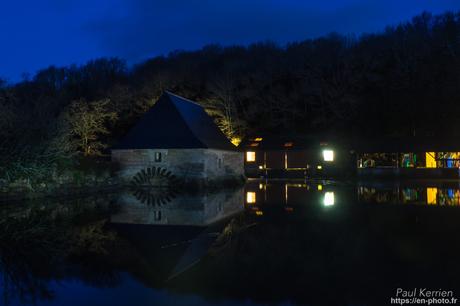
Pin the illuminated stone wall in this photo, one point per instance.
(183, 163)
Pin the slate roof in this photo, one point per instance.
(175, 123)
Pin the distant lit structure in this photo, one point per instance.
(426, 157)
(291, 156)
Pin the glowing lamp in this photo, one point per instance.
(328, 155)
(329, 198)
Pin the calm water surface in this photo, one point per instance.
(269, 243)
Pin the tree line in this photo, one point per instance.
(404, 80)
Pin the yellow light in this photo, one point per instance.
(319, 167)
(258, 139)
(250, 197)
(259, 213)
(236, 141)
(329, 198)
(431, 196)
(320, 187)
(261, 186)
(430, 160)
(328, 155)
(250, 156)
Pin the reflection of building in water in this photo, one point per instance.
(200, 209)
(287, 195)
(410, 195)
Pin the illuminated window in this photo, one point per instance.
(329, 198)
(430, 159)
(250, 197)
(158, 157)
(250, 156)
(328, 155)
(431, 196)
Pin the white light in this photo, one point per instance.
(329, 198)
(250, 197)
(328, 155)
(250, 156)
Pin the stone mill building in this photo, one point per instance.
(176, 137)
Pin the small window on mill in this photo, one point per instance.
(158, 157)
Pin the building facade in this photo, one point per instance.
(278, 156)
(176, 138)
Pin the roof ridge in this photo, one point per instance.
(185, 121)
(182, 98)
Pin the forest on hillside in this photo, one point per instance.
(402, 81)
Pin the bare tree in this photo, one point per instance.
(88, 121)
(222, 105)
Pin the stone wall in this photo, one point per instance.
(188, 164)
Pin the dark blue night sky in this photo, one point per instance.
(36, 34)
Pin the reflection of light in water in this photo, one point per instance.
(286, 193)
(329, 198)
(259, 213)
(261, 186)
(250, 197)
